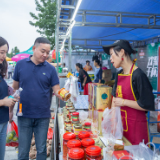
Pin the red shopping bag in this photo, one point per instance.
(50, 133)
(12, 135)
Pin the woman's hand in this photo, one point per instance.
(9, 102)
(118, 102)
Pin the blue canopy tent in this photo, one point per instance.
(102, 22)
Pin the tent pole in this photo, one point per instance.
(70, 51)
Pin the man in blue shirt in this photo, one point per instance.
(36, 76)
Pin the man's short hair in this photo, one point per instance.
(41, 40)
(87, 61)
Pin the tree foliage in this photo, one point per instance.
(13, 52)
(45, 20)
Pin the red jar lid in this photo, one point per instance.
(74, 143)
(88, 142)
(83, 134)
(76, 153)
(93, 151)
(75, 113)
(69, 136)
(87, 124)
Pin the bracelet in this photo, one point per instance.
(123, 102)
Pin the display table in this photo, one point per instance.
(62, 131)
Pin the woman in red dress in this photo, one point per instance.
(132, 92)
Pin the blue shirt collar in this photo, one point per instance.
(29, 60)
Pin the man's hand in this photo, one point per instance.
(9, 102)
(83, 84)
(118, 102)
(57, 95)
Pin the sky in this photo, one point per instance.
(14, 23)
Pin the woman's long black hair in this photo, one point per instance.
(79, 65)
(4, 65)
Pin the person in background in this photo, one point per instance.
(83, 77)
(98, 71)
(65, 69)
(10, 70)
(49, 60)
(36, 76)
(88, 66)
(5, 102)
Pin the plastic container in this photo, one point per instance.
(76, 154)
(66, 137)
(73, 124)
(93, 152)
(64, 94)
(83, 135)
(68, 129)
(75, 116)
(87, 126)
(86, 143)
(74, 143)
(77, 129)
(70, 113)
(67, 122)
(69, 108)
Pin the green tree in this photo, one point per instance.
(45, 20)
(14, 51)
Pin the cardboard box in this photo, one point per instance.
(102, 97)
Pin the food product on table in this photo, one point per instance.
(77, 129)
(87, 126)
(73, 124)
(67, 123)
(83, 134)
(49, 148)
(75, 116)
(66, 137)
(70, 113)
(118, 147)
(68, 109)
(93, 152)
(68, 129)
(86, 143)
(76, 154)
(64, 94)
(74, 143)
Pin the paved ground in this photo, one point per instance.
(12, 152)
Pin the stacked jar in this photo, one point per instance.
(67, 123)
(83, 135)
(74, 143)
(93, 152)
(70, 113)
(75, 119)
(66, 137)
(86, 143)
(76, 154)
(77, 129)
(87, 126)
(68, 110)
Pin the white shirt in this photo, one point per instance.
(10, 68)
